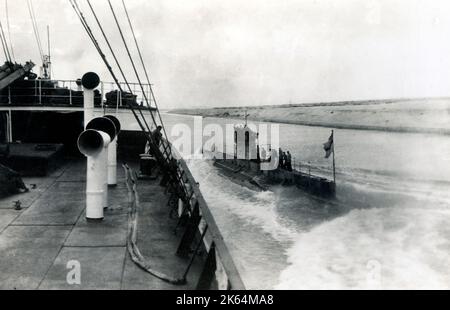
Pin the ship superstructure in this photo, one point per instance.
(154, 233)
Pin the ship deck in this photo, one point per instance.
(39, 243)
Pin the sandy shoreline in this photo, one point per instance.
(430, 116)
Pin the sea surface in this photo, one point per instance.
(389, 227)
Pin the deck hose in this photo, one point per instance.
(133, 250)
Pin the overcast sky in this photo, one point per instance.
(222, 53)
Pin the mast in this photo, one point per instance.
(48, 40)
(47, 58)
(334, 161)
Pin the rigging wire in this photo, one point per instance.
(91, 34)
(35, 29)
(147, 132)
(36, 25)
(4, 44)
(152, 94)
(149, 136)
(4, 48)
(106, 39)
(9, 30)
(132, 63)
(111, 71)
(114, 56)
(94, 41)
(167, 149)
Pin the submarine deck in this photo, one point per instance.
(40, 243)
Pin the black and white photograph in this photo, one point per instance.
(197, 145)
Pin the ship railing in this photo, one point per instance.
(141, 94)
(306, 168)
(69, 93)
(301, 166)
(220, 271)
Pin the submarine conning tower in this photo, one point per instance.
(245, 143)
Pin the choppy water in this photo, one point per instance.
(390, 228)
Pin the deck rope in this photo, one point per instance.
(133, 249)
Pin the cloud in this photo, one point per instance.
(219, 53)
